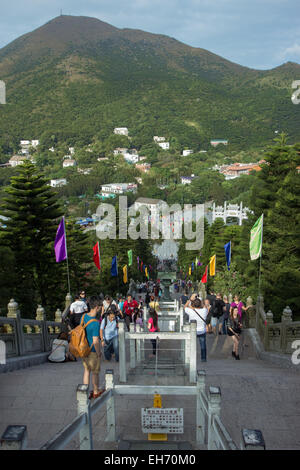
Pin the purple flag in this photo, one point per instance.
(60, 242)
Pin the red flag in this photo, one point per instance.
(204, 277)
(96, 256)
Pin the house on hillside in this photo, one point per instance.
(164, 145)
(69, 162)
(150, 203)
(16, 160)
(26, 144)
(58, 183)
(144, 167)
(109, 190)
(187, 179)
(120, 151)
(121, 131)
(237, 169)
(158, 139)
(187, 152)
(216, 142)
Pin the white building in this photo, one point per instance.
(26, 144)
(72, 150)
(158, 139)
(185, 153)
(57, 183)
(120, 151)
(121, 130)
(216, 142)
(108, 190)
(164, 145)
(16, 160)
(84, 171)
(150, 203)
(69, 162)
(130, 158)
(187, 179)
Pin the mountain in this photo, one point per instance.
(78, 77)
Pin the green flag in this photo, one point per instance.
(129, 257)
(256, 234)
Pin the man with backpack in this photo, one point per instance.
(91, 362)
(109, 335)
(217, 312)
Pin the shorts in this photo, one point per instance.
(92, 363)
(214, 321)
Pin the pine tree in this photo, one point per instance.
(33, 209)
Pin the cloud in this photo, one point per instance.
(291, 53)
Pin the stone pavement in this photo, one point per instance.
(255, 394)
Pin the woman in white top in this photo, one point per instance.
(199, 313)
(60, 350)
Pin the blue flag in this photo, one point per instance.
(227, 249)
(114, 267)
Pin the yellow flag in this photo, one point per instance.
(125, 279)
(190, 271)
(212, 266)
(146, 272)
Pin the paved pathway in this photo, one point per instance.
(255, 394)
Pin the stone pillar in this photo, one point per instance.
(200, 413)
(14, 312)
(85, 437)
(122, 351)
(186, 328)
(269, 321)
(138, 345)
(214, 409)
(14, 438)
(68, 300)
(58, 319)
(110, 407)
(287, 315)
(132, 347)
(193, 351)
(40, 316)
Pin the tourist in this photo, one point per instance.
(185, 297)
(107, 302)
(226, 314)
(154, 303)
(109, 335)
(240, 306)
(84, 299)
(198, 312)
(129, 305)
(207, 305)
(217, 312)
(152, 327)
(234, 329)
(121, 301)
(137, 317)
(77, 309)
(60, 349)
(91, 363)
(147, 299)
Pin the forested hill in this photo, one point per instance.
(78, 77)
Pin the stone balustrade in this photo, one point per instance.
(276, 337)
(23, 336)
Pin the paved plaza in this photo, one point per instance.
(255, 394)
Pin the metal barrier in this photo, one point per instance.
(188, 336)
(209, 429)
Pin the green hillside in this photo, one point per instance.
(77, 78)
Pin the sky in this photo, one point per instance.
(260, 34)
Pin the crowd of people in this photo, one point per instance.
(100, 316)
(216, 315)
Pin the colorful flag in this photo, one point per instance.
(96, 257)
(212, 266)
(129, 257)
(60, 246)
(146, 272)
(204, 277)
(193, 267)
(190, 271)
(227, 249)
(256, 237)
(114, 267)
(142, 266)
(125, 278)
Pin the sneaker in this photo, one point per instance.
(237, 357)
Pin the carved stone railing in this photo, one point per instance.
(276, 337)
(23, 336)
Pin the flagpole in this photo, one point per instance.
(67, 256)
(259, 274)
